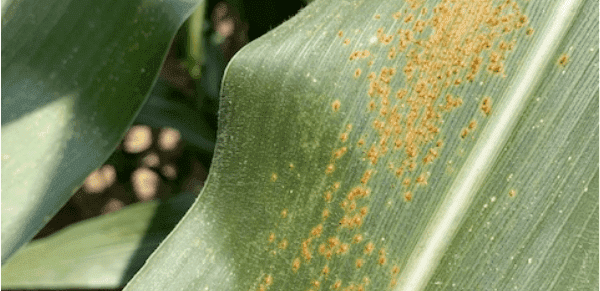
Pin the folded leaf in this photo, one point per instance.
(74, 76)
(377, 145)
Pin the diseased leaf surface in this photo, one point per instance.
(344, 132)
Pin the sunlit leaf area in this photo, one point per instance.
(300, 145)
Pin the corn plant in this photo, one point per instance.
(362, 145)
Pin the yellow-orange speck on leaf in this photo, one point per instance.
(271, 237)
(357, 238)
(344, 136)
(296, 264)
(340, 152)
(317, 230)
(357, 73)
(359, 263)
(337, 284)
(486, 105)
(369, 247)
(366, 176)
(268, 280)
(283, 244)
(563, 60)
(364, 210)
(473, 124)
(330, 168)
(464, 132)
(335, 106)
(343, 248)
(529, 31)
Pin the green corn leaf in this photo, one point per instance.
(391, 145)
(74, 76)
(102, 252)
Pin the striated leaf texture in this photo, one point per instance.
(402, 145)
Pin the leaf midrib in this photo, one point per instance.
(446, 221)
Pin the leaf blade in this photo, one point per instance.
(103, 252)
(75, 74)
(296, 119)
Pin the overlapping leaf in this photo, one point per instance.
(74, 75)
(102, 252)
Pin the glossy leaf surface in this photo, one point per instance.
(74, 76)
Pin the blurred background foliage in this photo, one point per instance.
(166, 154)
(169, 148)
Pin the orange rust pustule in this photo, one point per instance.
(473, 124)
(529, 31)
(357, 238)
(408, 196)
(427, 54)
(464, 132)
(330, 169)
(269, 280)
(306, 252)
(358, 192)
(563, 60)
(340, 152)
(369, 247)
(359, 263)
(357, 73)
(337, 284)
(448, 54)
(382, 257)
(283, 244)
(271, 237)
(325, 270)
(296, 264)
(366, 176)
(486, 105)
(335, 106)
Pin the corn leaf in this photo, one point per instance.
(402, 145)
(74, 76)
